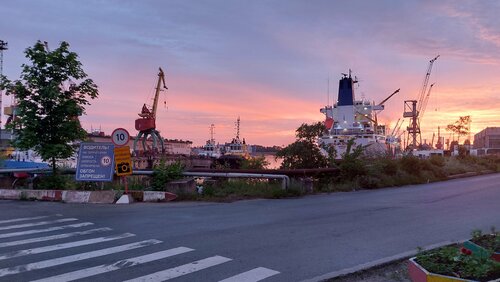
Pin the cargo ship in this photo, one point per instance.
(351, 119)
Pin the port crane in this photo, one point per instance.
(146, 124)
(415, 110)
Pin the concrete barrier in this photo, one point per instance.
(158, 196)
(92, 197)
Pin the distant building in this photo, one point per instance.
(487, 141)
(172, 146)
(178, 147)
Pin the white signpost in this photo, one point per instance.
(120, 138)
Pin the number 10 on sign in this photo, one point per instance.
(120, 137)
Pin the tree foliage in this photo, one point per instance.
(461, 127)
(305, 152)
(51, 93)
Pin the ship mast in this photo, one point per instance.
(212, 127)
(237, 123)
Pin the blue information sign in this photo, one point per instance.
(95, 162)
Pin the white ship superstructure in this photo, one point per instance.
(349, 118)
(211, 149)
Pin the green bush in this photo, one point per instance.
(247, 188)
(389, 167)
(164, 173)
(254, 163)
(54, 182)
(410, 164)
(437, 161)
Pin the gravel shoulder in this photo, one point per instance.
(392, 272)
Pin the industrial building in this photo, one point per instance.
(487, 141)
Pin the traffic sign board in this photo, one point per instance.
(120, 137)
(95, 162)
(123, 161)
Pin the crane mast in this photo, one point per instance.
(414, 110)
(426, 81)
(161, 80)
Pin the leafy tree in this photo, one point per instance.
(48, 109)
(305, 152)
(310, 132)
(461, 127)
(352, 165)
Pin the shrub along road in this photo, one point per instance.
(284, 240)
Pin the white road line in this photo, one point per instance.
(253, 275)
(88, 272)
(78, 257)
(46, 249)
(53, 237)
(34, 231)
(37, 223)
(182, 270)
(22, 219)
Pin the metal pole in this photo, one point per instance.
(3, 46)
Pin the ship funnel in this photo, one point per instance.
(346, 91)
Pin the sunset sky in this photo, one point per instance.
(266, 61)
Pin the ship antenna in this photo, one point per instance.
(238, 128)
(328, 92)
(212, 127)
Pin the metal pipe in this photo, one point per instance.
(285, 179)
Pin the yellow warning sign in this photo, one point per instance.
(123, 161)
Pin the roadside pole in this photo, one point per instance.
(123, 161)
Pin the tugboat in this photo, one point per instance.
(236, 147)
(210, 149)
(351, 119)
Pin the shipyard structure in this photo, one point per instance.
(487, 141)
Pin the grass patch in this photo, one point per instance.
(386, 172)
(237, 189)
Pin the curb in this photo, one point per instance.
(82, 197)
(378, 262)
(470, 173)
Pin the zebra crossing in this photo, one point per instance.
(39, 238)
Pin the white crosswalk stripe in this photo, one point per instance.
(63, 246)
(35, 231)
(24, 271)
(36, 223)
(182, 270)
(53, 237)
(22, 219)
(253, 275)
(73, 258)
(88, 272)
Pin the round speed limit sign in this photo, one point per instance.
(120, 137)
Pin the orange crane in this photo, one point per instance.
(146, 124)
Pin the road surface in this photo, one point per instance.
(274, 240)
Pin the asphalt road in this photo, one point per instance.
(279, 240)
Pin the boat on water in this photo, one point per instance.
(351, 119)
(211, 149)
(237, 146)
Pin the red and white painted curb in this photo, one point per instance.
(94, 197)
